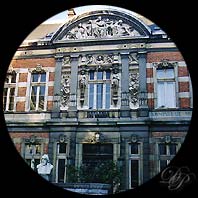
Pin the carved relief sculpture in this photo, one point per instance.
(102, 59)
(101, 27)
(65, 91)
(134, 88)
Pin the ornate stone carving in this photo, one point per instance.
(115, 85)
(98, 59)
(133, 58)
(164, 64)
(101, 27)
(65, 91)
(39, 69)
(134, 87)
(66, 60)
(82, 86)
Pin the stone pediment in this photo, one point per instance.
(101, 25)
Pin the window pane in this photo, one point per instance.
(108, 75)
(91, 95)
(41, 97)
(160, 94)
(42, 91)
(134, 148)
(61, 147)
(100, 75)
(33, 98)
(163, 164)
(43, 77)
(161, 74)
(32, 149)
(96, 153)
(35, 77)
(169, 73)
(170, 94)
(91, 75)
(41, 102)
(165, 73)
(11, 98)
(61, 170)
(108, 98)
(134, 173)
(162, 149)
(173, 149)
(99, 95)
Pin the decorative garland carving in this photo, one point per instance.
(65, 91)
(134, 87)
(164, 64)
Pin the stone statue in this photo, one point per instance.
(82, 81)
(44, 168)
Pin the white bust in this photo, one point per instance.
(44, 168)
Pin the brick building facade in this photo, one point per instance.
(105, 85)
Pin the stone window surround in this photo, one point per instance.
(28, 92)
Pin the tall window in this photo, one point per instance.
(38, 87)
(166, 92)
(99, 89)
(166, 153)
(33, 154)
(134, 164)
(9, 92)
(61, 162)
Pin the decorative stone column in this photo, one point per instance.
(143, 96)
(125, 109)
(57, 87)
(72, 110)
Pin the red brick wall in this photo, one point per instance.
(150, 87)
(22, 135)
(149, 72)
(20, 106)
(23, 77)
(49, 105)
(22, 91)
(184, 87)
(183, 71)
(32, 63)
(184, 102)
(50, 91)
(51, 76)
(158, 56)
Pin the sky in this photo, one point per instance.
(62, 16)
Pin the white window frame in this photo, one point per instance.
(37, 96)
(104, 81)
(8, 85)
(167, 156)
(61, 156)
(175, 79)
(139, 157)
